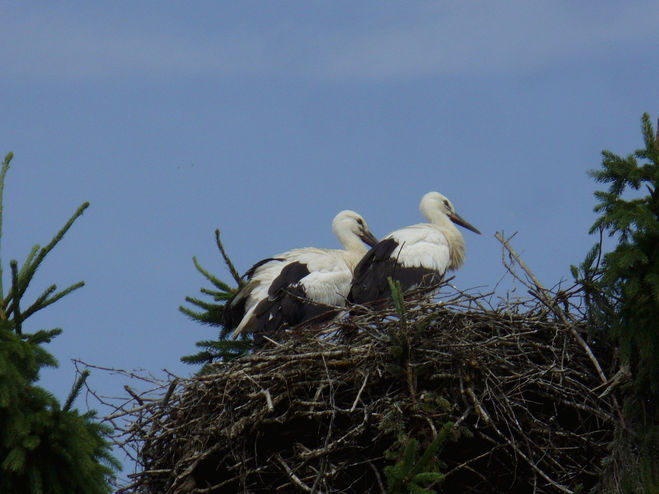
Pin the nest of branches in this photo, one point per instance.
(358, 404)
(526, 408)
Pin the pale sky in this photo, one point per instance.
(265, 119)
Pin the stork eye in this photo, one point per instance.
(360, 221)
(448, 206)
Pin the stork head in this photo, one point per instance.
(433, 203)
(348, 224)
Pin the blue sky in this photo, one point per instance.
(264, 119)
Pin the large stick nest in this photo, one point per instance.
(329, 405)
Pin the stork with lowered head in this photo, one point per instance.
(291, 287)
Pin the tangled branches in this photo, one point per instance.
(324, 414)
(332, 407)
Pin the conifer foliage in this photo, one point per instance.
(622, 291)
(628, 277)
(210, 312)
(44, 447)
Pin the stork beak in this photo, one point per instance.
(457, 219)
(368, 238)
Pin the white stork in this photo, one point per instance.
(294, 286)
(418, 255)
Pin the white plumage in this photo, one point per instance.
(417, 255)
(296, 285)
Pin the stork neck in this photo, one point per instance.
(453, 236)
(352, 243)
(352, 257)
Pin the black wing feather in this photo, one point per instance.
(287, 304)
(250, 272)
(370, 276)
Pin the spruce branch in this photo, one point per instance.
(40, 300)
(200, 303)
(211, 312)
(3, 173)
(16, 309)
(28, 260)
(28, 270)
(45, 250)
(75, 390)
(209, 316)
(42, 303)
(400, 340)
(213, 279)
(411, 475)
(430, 451)
(226, 295)
(232, 269)
(399, 303)
(77, 456)
(197, 316)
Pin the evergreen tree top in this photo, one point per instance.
(44, 448)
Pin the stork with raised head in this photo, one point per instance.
(294, 286)
(417, 256)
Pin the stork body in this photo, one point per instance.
(417, 256)
(294, 286)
